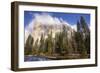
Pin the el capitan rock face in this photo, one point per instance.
(45, 29)
(45, 24)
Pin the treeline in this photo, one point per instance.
(62, 45)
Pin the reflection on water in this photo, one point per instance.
(35, 58)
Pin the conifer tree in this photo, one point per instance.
(84, 25)
(42, 42)
(29, 45)
(86, 34)
(64, 40)
(82, 37)
(50, 43)
(35, 48)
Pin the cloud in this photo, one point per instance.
(45, 18)
(30, 26)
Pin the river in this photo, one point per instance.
(35, 58)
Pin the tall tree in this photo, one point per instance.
(64, 42)
(84, 25)
(57, 43)
(86, 34)
(78, 27)
(35, 49)
(79, 37)
(29, 45)
(50, 43)
(42, 42)
(46, 45)
(82, 37)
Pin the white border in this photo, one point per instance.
(23, 64)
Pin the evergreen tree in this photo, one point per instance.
(50, 43)
(74, 44)
(57, 43)
(35, 48)
(29, 45)
(42, 42)
(82, 37)
(87, 43)
(86, 34)
(46, 45)
(84, 25)
(78, 27)
(79, 38)
(64, 40)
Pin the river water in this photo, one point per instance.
(35, 58)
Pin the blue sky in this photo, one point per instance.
(71, 18)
